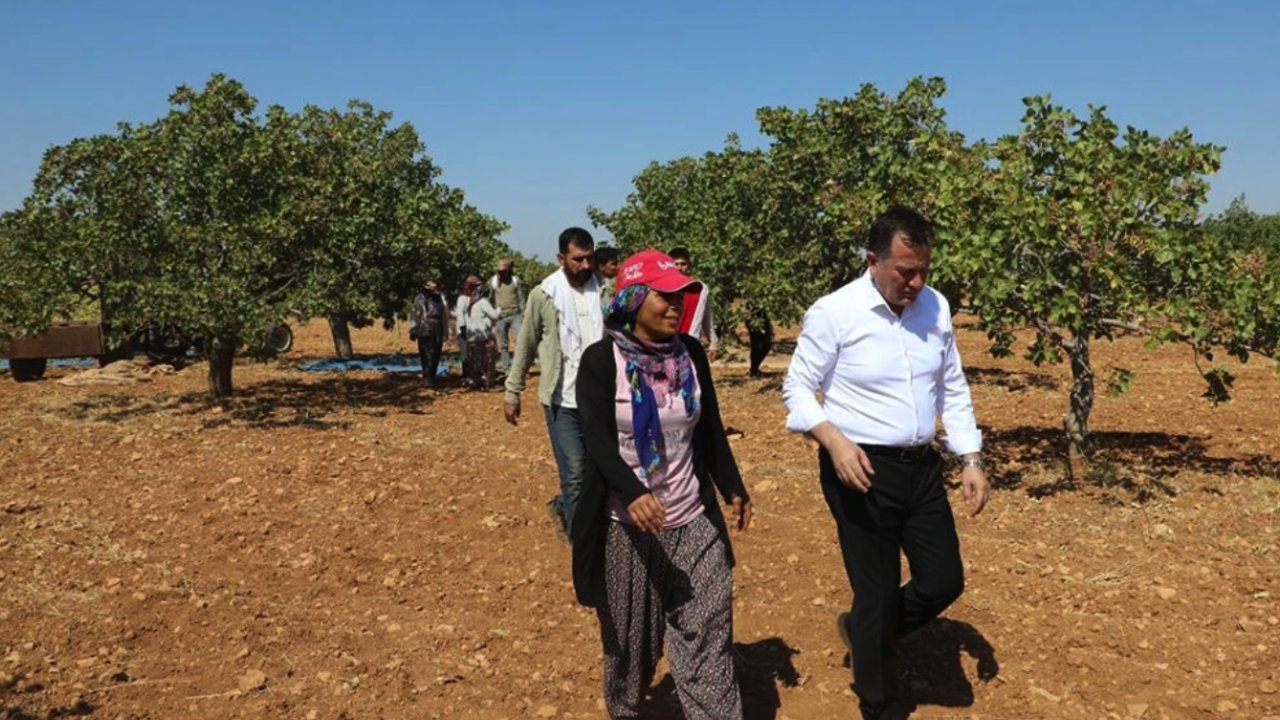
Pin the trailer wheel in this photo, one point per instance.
(280, 339)
(27, 369)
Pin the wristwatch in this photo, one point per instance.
(974, 463)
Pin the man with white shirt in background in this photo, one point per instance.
(561, 318)
(882, 351)
(696, 321)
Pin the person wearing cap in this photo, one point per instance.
(651, 548)
(562, 317)
(461, 309)
(428, 324)
(697, 320)
(479, 337)
(508, 298)
(883, 352)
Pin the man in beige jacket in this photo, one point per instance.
(562, 317)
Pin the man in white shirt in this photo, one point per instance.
(882, 351)
(561, 318)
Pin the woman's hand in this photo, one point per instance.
(741, 513)
(647, 513)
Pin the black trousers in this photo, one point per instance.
(429, 348)
(761, 340)
(906, 509)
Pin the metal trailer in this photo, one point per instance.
(28, 356)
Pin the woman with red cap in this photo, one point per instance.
(650, 544)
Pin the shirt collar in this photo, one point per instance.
(869, 297)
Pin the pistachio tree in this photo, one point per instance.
(373, 218)
(223, 221)
(1086, 231)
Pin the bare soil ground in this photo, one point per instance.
(349, 546)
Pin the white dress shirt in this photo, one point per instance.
(884, 379)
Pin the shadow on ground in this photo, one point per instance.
(763, 666)
(80, 708)
(271, 404)
(1012, 380)
(1137, 466)
(1141, 463)
(930, 670)
(769, 381)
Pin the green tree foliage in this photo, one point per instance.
(710, 205)
(841, 164)
(219, 220)
(1070, 227)
(81, 228)
(529, 268)
(781, 226)
(468, 245)
(31, 293)
(1238, 309)
(1241, 230)
(376, 223)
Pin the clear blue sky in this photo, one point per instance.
(538, 109)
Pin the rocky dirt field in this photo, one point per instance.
(350, 546)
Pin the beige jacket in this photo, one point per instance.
(540, 334)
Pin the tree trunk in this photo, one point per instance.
(221, 353)
(341, 331)
(1076, 422)
(123, 349)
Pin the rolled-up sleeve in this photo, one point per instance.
(955, 404)
(811, 364)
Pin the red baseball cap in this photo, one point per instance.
(655, 269)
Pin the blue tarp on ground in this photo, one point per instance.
(385, 363)
(61, 362)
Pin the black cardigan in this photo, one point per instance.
(713, 462)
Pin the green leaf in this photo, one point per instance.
(1120, 381)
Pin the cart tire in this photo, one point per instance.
(281, 339)
(27, 369)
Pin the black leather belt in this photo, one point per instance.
(906, 453)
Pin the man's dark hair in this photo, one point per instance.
(680, 253)
(914, 227)
(606, 254)
(577, 237)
